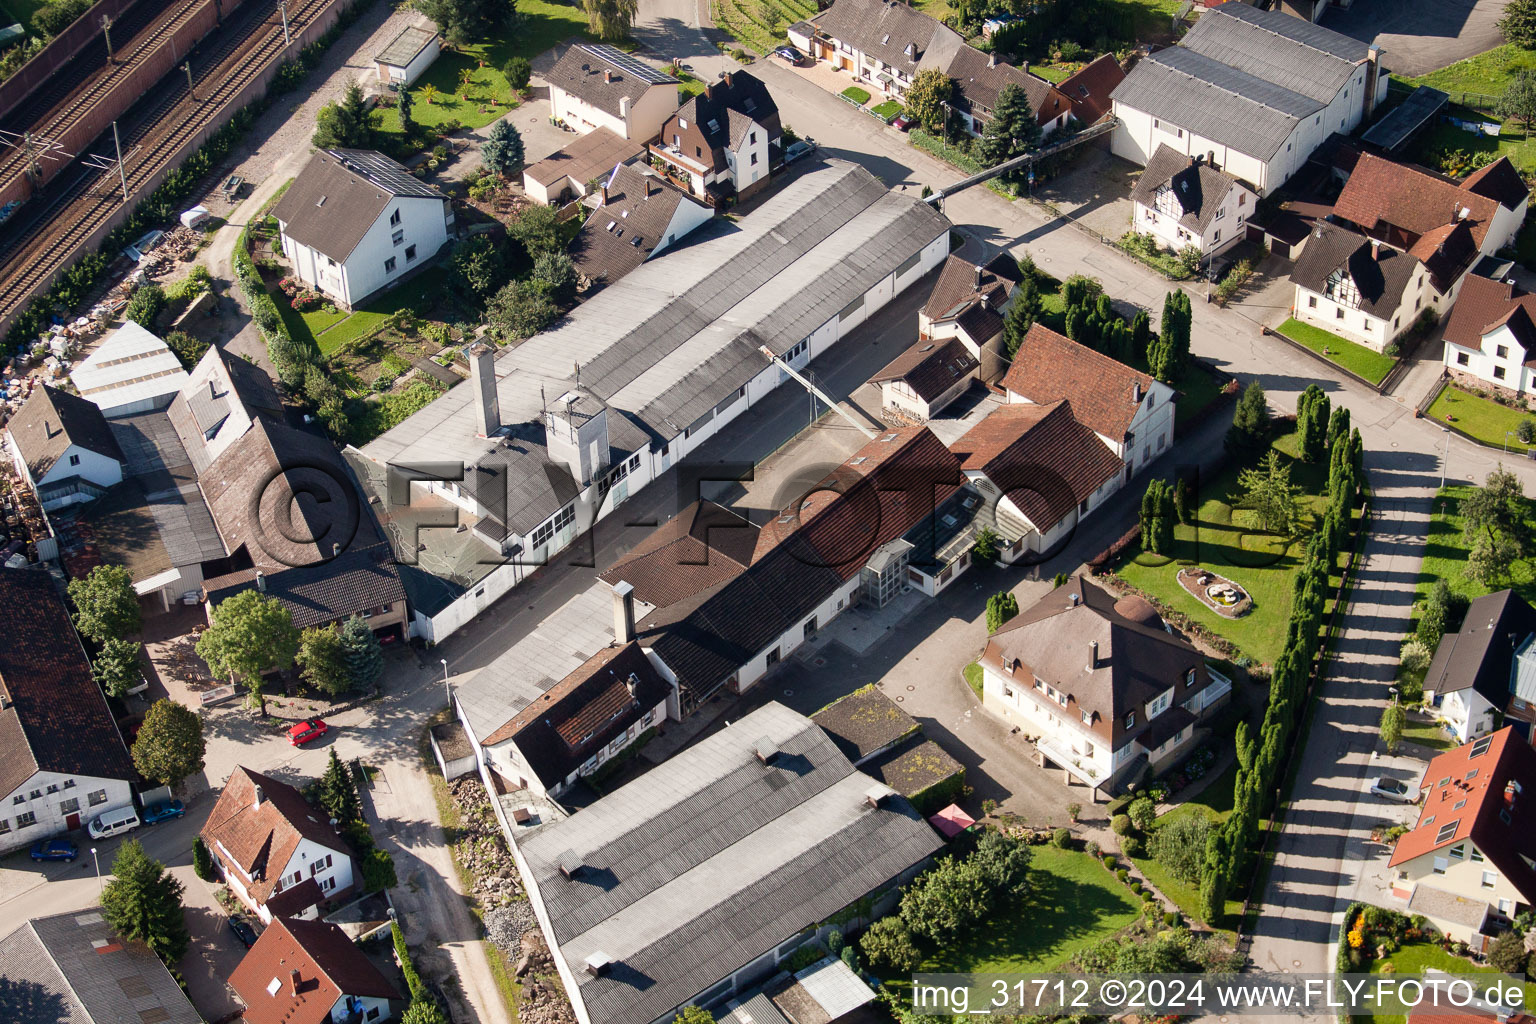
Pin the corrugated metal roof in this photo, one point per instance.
(1214, 100)
(650, 346)
(1277, 48)
(130, 366)
(713, 858)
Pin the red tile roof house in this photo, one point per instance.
(1469, 865)
(309, 972)
(1490, 336)
(62, 759)
(280, 856)
(1130, 411)
(1419, 235)
(1108, 691)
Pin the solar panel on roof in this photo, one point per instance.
(628, 64)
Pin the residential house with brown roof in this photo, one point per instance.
(1419, 236)
(567, 173)
(62, 758)
(1485, 673)
(1469, 863)
(639, 215)
(968, 302)
(1040, 473)
(1490, 336)
(279, 855)
(594, 85)
(582, 722)
(1182, 201)
(725, 140)
(980, 79)
(1105, 689)
(1129, 410)
(62, 446)
(1088, 89)
(918, 384)
(309, 972)
(354, 222)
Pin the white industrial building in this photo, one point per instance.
(131, 371)
(1254, 91)
(355, 221)
(554, 434)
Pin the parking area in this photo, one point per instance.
(1419, 36)
(1366, 858)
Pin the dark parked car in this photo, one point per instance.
(790, 54)
(244, 932)
(901, 122)
(163, 811)
(55, 849)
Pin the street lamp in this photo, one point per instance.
(1447, 456)
(1393, 691)
(99, 885)
(1506, 441)
(446, 688)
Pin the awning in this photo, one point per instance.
(885, 79)
(158, 581)
(951, 821)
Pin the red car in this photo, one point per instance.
(303, 732)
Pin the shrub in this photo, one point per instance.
(835, 942)
(1136, 888)
(413, 982)
(1132, 846)
(146, 304)
(1109, 862)
(1171, 918)
(378, 870)
(1092, 847)
(1179, 846)
(890, 943)
(1147, 896)
(1143, 813)
(1507, 954)
(1061, 839)
(1120, 824)
(1122, 874)
(202, 860)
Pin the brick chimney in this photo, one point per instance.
(259, 797)
(727, 77)
(293, 982)
(607, 75)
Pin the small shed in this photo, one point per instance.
(409, 54)
(195, 217)
(450, 745)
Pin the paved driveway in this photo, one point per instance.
(1418, 36)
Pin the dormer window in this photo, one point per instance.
(1130, 719)
(682, 122)
(1189, 678)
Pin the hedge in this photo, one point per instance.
(413, 980)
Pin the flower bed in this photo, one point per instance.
(1217, 593)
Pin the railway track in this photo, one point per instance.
(81, 204)
(76, 104)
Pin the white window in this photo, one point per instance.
(1440, 865)
(389, 265)
(397, 237)
(5, 825)
(1489, 879)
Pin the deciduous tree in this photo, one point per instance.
(889, 943)
(926, 96)
(117, 667)
(106, 606)
(610, 20)
(464, 22)
(323, 660)
(251, 633)
(1393, 718)
(169, 746)
(521, 310)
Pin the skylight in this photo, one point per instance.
(1480, 747)
(1446, 832)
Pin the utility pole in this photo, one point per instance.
(282, 5)
(122, 175)
(187, 67)
(106, 32)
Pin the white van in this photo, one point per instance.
(104, 826)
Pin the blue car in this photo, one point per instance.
(55, 849)
(156, 813)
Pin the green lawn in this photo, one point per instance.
(332, 331)
(856, 94)
(1428, 734)
(1512, 141)
(1185, 896)
(691, 86)
(488, 97)
(1055, 72)
(1483, 418)
(1215, 802)
(1445, 552)
(1227, 541)
(1414, 959)
(1356, 358)
(1073, 903)
(972, 673)
(887, 110)
(1489, 73)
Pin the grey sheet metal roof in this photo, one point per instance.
(1215, 100)
(80, 972)
(404, 47)
(1406, 118)
(678, 335)
(713, 858)
(1278, 48)
(552, 650)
